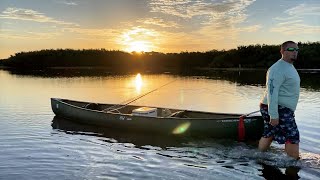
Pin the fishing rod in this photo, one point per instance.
(124, 104)
(248, 114)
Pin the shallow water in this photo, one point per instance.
(36, 144)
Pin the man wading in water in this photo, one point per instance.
(279, 102)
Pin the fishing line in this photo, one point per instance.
(125, 103)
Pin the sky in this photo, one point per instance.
(154, 25)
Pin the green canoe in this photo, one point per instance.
(157, 120)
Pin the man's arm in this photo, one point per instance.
(274, 80)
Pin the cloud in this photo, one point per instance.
(295, 29)
(31, 15)
(211, 18)
(253, 28)
(106, 35)
(189, 9)
(294, 21)
(70, 3)
(61, 27)
(177, 8)
(159, 22)
(101, 33)
(213, 24)
(211, 35)
(27, 35)
(304, 9)
(291, 22)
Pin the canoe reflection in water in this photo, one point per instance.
(117, 136)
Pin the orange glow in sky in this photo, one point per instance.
(154, 25)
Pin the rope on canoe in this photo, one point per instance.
(241, 128)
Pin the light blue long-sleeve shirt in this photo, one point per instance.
(282, 88)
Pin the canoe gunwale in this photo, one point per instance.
(236, 116)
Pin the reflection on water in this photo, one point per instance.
(37, 145)
(116, 136)
(309, 78)
(257, 77)
(272, 172)
(195, 148)
(138, 83)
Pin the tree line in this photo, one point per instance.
(251, 56)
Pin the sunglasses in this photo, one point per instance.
(292, 49)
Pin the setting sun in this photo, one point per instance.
(138, 40)
(139, 46)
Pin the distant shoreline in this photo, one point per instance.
(249, 69)
(243, 58)
(4, 67)
(196, 68)
(231, 69)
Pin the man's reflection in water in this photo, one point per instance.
(272, 172)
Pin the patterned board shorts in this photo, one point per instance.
(286, 131)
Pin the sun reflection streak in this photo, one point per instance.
(138, 83)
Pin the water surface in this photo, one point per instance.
(36, 144)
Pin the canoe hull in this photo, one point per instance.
(208, 127)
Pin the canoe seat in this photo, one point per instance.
(179, 114)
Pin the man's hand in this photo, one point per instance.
(274, 122)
